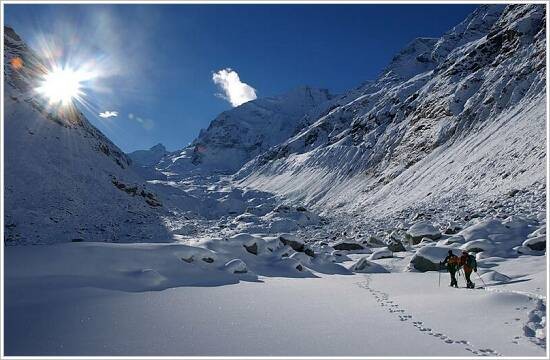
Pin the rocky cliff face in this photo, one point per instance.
(448, 117)
(246, 131)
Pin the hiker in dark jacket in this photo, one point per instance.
(469, 263)
(452, 266)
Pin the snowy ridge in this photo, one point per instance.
(457, 126)
(64, 180)
(148, 157)
(238, 135)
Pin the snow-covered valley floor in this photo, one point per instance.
(97, 311)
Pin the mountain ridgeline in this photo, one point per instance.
(449, 119)
(454, 122)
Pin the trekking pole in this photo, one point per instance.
(480, 278)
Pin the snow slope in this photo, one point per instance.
(239, 134)
(63, 178)
(361, 315)
(451, 120)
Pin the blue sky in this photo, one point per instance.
(158, 61)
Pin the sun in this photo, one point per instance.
(62, 86)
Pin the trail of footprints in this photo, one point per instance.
(383, 300)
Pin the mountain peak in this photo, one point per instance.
(158, 147)
(148, 157)
(237, 135)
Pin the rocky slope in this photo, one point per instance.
(451, 121)
(239, 134)
(64, 180)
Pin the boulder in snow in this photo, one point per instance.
(365, 266)
(381, 254)
(452, 228)
(536, 243)
(478, 245)
(428, 257)
(236, 266)
(456, 239)
(348, 246)
(293, 241)
(252, 244)
(395, 246)
(421, 230)
(373, 241)
(484, 230)
(302, 258)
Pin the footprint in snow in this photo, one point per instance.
(383, 300)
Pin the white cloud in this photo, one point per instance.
(107, 114)
(234, 90)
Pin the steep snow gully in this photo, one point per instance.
(323, 237)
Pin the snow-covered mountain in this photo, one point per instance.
(64, 180)
(240, 134)
(148, 157)
(445, 152)
(449, 120)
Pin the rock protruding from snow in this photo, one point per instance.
(429, 257)
(484, 229)
(381, 254)
(533, 246)
(348, 246)
(295, 243)
(363, 265)
(373, 241)
(395, 245)
(236, 266)
(422, 230)
(536, 243)
(478, 245)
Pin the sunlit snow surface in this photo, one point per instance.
(111, 304)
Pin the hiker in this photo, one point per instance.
(469, 263)
(452, 266)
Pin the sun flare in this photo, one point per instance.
(62, 85)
